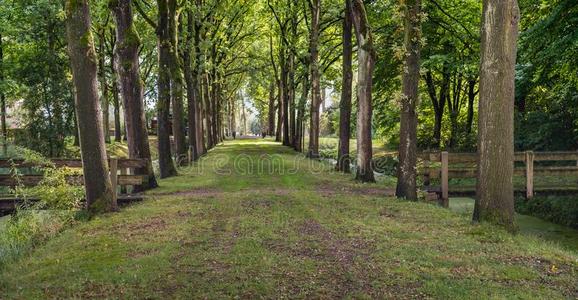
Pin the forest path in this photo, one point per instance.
(253, 219)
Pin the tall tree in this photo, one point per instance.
(99, 191)
(299, 130)
(366, 63)
(343, 159)
(115, 98)
(166, 165)
(176, 81)
(271, 114)
(494, 191)
(406, 170)
(103, 80)
(191, 84)
(128, 70)
(284, 65)
(313, 150)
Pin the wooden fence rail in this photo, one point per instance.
(441, 165)
(124, 180)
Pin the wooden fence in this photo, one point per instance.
(121, 175)
(444, 166)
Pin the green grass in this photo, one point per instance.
(225, 230)
(529, 226)
(329, 142)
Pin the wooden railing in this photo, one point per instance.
(121, 175)
(445, 166)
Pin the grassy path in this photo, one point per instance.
(227, 228)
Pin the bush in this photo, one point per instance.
(562, 210)
(58, 200)
(386, 165)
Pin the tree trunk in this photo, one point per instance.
(76, 141)
(104, 88)
(207, 111)
(233, 118)
(201, 146)
(406, 170)
(176, 84)
(271, 117)
(285, 99)
(495, 194)
(299, 131)
(278, 132)
(343, 159)
(438, 103)
(99, 190)
(166, 165)
(128, 70)
(4, 132)
(291, 98)
(471, 99)
(116, 102)
(313, 151)
(200, 142)
(191, 83)
(454, 107)
(366, 63)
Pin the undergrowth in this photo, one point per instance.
(46, 209)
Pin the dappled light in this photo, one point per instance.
(288, 149)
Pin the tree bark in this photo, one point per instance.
(495, 195)
(116, 102)
(99, 190)
(104, 88)
(191, 83)
(279, 132)
(207, 111)
(454, 107)
(343, 159)
(166, 165)
(3, 128)
(271, 116)
(291, 98)
(200, 138)
(285, 99)
(299, 130)
(178, 121)
(471, 99)
(406, 170)
(128, 70)
(366, 62)
(313, 150)
(76, 141)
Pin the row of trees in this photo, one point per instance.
(186, 61)
(194, 39)
(495, 125)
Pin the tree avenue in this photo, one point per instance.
(171, 80)
(288, 149)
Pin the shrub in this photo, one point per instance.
(58, 199)
(385, 164)
(557, 209)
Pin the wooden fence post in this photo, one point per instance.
(114, 177)
(445, 179)
(529, 155)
